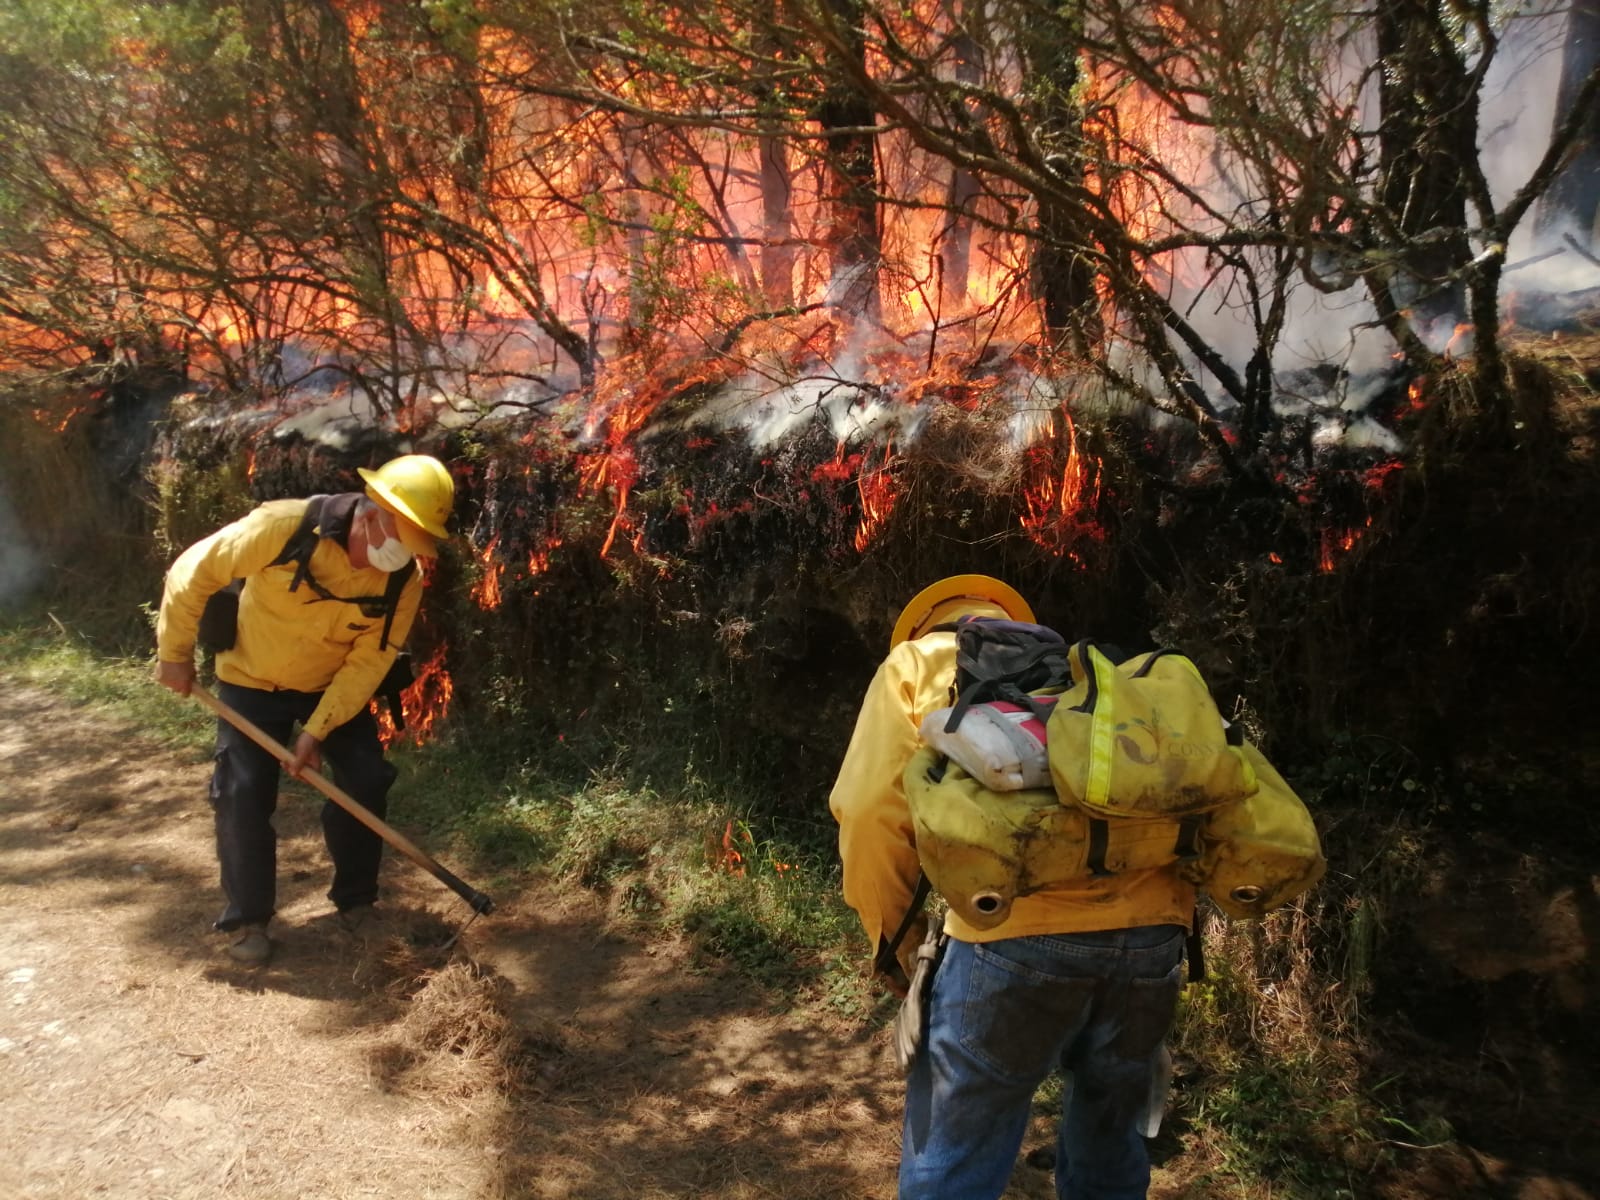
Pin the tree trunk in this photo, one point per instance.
(1063, 262)
(847, 117)
(1427, 138)
(777, 223)
(1572, 205)
(955, 240)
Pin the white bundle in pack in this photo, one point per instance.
(998, 743)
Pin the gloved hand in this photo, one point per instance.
(911, 1024)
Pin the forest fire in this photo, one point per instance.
(595, 233)
(423, 704)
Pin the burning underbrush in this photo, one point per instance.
(610, 539)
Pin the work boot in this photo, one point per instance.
(361, 921)
(252, 947)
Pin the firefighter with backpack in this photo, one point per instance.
(1082, 976)
(329, 593)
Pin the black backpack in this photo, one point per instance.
(1000, 659)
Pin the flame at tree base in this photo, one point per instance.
(1061, 501)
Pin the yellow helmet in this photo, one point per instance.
(950, 597)
(416, 487)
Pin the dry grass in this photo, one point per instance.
(456, 1040)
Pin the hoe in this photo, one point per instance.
(480, 903)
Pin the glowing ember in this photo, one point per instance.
(838, 468)
(1337, 543)
(878, 494)
(423, 704)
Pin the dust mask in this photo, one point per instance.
(388, 555)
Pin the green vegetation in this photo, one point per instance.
(51, 655)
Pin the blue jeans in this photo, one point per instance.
(1002, 1016)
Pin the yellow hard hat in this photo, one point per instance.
(943, 600)
(416, 487)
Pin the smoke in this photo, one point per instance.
(19, 564)
(1519, 115)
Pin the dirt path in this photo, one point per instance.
(574, 1062)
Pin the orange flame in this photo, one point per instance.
(539, 560)
(731, 859)
(487, 590)
(423, 704)
(1060, 505)
(1461, 340)
(1416, 397)
(878, 493)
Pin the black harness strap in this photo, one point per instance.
(331, 517)
(1187, 847)
(885, 961)
(1004, 660)
(1099, 842)
(1194, 949)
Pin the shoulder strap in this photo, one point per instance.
(330, 517)
(391, 597)
(302, 543)
(885, 961)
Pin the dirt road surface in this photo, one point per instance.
(556, 1057)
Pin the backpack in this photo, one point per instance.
(325, 517)
(1111, 764)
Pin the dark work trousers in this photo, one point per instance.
(244, 795)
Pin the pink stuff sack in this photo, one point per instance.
(1000, 744)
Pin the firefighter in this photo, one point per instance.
(1084, 979)
(330, 592)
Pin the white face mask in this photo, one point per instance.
(388, 555)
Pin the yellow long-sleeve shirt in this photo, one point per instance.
(287, 640)
(878, 846)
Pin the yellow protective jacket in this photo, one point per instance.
(293, 641)
(878, 847)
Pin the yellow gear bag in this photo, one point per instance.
(1260, 852)
(1147, 774)
(1144, 739)
(981, 849)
